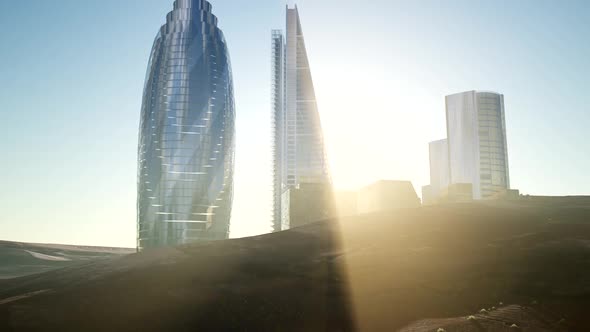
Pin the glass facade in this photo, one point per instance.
(477, 146)
(186, 137)
(493, 154)
(277, 121)
(439, 166)
(299, 153)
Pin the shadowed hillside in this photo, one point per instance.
(417, 270)
(21, 259)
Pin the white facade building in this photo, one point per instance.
(439, 166)
(477, 149)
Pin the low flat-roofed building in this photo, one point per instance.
(457, 193)
(387, 195)
(346, 203)
(307, 203)
(428, 197)
(506, 195)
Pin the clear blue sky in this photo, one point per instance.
(71, 79)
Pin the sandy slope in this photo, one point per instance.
(21, 259)
(418, 270)
(506, 318)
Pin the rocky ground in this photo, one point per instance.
(429, 269)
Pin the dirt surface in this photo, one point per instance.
(509, 318)
(414, 270)
(20, 259)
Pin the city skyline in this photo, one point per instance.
(72, 98)
(186, 139)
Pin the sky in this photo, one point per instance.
(72, 74)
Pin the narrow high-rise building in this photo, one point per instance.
(298, 145)
(186, 137)
(476, 130)
(277, 122)
(439, 165)
(438, 152)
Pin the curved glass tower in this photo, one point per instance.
(186, 135)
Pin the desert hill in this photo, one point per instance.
(21, 259)
(415, 270)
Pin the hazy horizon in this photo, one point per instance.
(74, 79)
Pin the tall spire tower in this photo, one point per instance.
(298, 149)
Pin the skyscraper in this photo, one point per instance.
(439, 164)
(439, 171)
(186, 137)
(476, 130)
(277, 122)
(298, 144)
